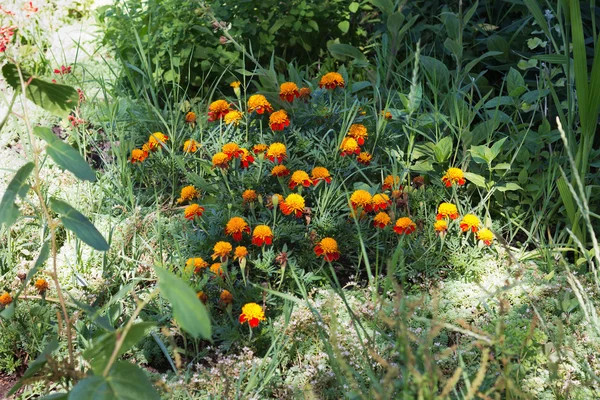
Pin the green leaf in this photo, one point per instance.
(9, 212)
(65, 155)
(313, 24)
(125, 381)
(443, 149)
(508, 187)
(339, 50)
(188, 310)
(76, 222)
(515, 83)
(386, 6)
(436, 70)
(478, 180)
(36, 365)
(454, 47)
(395, 21)
(52, 97)
(353, 7)
(344, 26)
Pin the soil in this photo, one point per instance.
(6, 383)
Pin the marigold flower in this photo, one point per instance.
(361, 198)
(226, 297)
(246, 158)
(217, 110)
(222, 250)
(299, 178)
(447, 210)
(259, 103)
(138, 155)
(288, 90)
(304, 94)
(331, 80)
(249, 196)
(259, 148)
(64, 70)
(190, 146)
(454, 175)
(274, 200)
(240, 252)
(471, 222)
(279, 120)
(232, 150)
(146, 147)
(202, 296)
(235, 84)
(381, 201)
(220, 160)
(262, 235)
(216, 269)
(277, 151)
(5, 299)
(6, 33)
(190, 117)
(349, 146)
(386, 114)
(156, 140)
(364, 158)
(233, 117)
(41, 285)
(253, 314)
(293, 203)
(381, 220)
(197, 263)
(280, 171)
(486, 236)
(396, 194)
(440, 227)
(320, 174)
(188, 193)
(235, 227)
(391, 182)
(192, 211)
(359, 133)
(328, 248)
(404, 226)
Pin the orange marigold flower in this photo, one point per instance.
(391, 182)
(304, 94)
(361, 198)
(279, 120)
(188, 193)
(156, 140)
(288, 90)
(138, 155)
(197, 263)
(192, 211)
(253, 314)
(5, 299)
(359, 133)
(232, 150)
(216, 269)
(447, 210)
(235, 227)
(235, 84)
(280, 171)
(274, 200)
(320, 174)
(381, 220)
(328, 248)
(249, 196)
(233, 117)
(293, 203)
(217, 110)
(202, 296)
(190, 117)
(440, 227)
(240, 252)
(486, 236)
(220, 160)
(454, 175)
(386, 114)
(471, 222)
(222, 250)
(190, 146)
(41, 285)
(299, 178)
(396, 194)
(146, 148)
(262, 235)
(259, 103)
(226, 297)
(364, 158)
(349, 146)
(404, 226)
(331, 80)
(381, 201)
(277, 151)
(259, 148)
(246, 158)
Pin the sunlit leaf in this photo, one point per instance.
(76, 222)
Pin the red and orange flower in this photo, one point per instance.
(328, 248)
(486, 236)
(381, 220)
(259, 103)
(381, 201)
(349, 146)
(364, 158)
(447, 210)
(331, 80)
(277, 151)
(469, 222)
(235, 227)
(405, 226)
(280, 171)
(221, 250)
(217, 110)
(279, 120)
(192, 211)
(320, 174)
(299, 178)
(293, 204)
(288, 90)
(454, 176)
(253, 314)
(361, 199)
(261, 235)
(359, 133)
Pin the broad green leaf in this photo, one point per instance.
(480, 154)
(515, 83)
(65, 155)
(499, 101)
(125, 381)
(496, 147)
(55, 98)
(508, 187)
(344, 26)
(454, 47)
(339, 50)
(476, 179)
(394, 22)
(9, 212)
(469, 14)
(36, 365)
(76, 222)
(188, 310)
(536, 11)
(436, 70)
(387, 6)
(443, 149)
(353, 7)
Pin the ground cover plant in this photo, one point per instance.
(335, 200)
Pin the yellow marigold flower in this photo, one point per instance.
(202, 296)
(188, 193)
(361, 198)
(192, 211)
(235, 84)
(226, 297)
(222, 250)
(454, 175)
(220, 160)
(253, 314)
(249, 196)
(299, 178)
(190, 117)
(364, 158)
(190, 146)
(217, 110)
(197, 263)
(288, 90)
(246, 158)
(240, 252)
(262, 234)
(235, 227)
(381, 220)
(232, 150)
(279, 120)
(471, 222)
(440, 227)
(138, 155)
(447, 210)
(259, 148)
(404, 226)
(294, 203)
(216, 269)
(305, 94)
(331, 80)
(381, 201)
(5, 299)
(328, 248)
(349, 146)
(277, 151)
(486, 236)
(233, 117)
(156, 140)
(359, 133)
(386, 114)
(41, 285)
(146, 148)
(259, 103)
(320, 174)
(391, 182)
(280, 171)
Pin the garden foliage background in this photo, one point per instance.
(305, 199)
